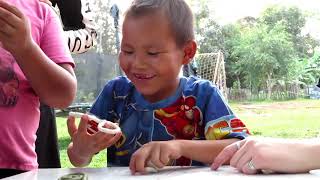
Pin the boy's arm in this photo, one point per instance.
(203, 150)
(158, 154)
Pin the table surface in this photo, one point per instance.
(121, 173)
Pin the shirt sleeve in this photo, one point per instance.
(52, 40)
(78, 24)
(221, 123)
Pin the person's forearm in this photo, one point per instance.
(311, 156)
(203, 150)
(53, 84)
(80, 41)
(75, 159)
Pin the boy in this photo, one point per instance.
(164, 118)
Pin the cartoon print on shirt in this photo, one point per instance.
(9, 82)
(223, 127)
(182, 120)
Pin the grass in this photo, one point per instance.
(285, 119)
(288, 119)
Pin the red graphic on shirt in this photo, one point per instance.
(182, 120)
(9, 82)
(223, 128)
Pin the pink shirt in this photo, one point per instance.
(19, 105)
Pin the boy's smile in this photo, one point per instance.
(143, 76)
(150, 56)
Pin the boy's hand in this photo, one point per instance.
(85, 145)
(158, 153)
(15, 34)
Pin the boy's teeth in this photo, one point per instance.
(143, 76)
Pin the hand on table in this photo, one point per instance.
(251, 155)
(156, 153)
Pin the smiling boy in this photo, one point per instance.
(174, 118)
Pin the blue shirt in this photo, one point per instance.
(195, 111)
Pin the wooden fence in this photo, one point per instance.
(247, 94)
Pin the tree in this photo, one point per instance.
(293, 20)
(234, 73)
(106, 43)
(97, 66)
(208, 32)
(265, 55)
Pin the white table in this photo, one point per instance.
(123, 173)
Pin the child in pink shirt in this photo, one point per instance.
(35, 63)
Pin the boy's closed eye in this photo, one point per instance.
(153, 53)
(127, 52)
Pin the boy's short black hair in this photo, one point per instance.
(177, 12)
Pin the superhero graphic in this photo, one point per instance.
(182, 120)
(225, 126)
(9, 82)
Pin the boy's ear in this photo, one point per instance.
(189, 49)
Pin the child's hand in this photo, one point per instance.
(15, 34)
(85, 145)
(158, 153)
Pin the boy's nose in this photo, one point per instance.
(139, 62)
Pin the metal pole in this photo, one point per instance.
(114, 11)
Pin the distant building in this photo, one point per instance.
(314, 92)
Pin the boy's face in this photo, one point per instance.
(150, 57)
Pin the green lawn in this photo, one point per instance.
(287, 119)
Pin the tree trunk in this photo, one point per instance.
(269, 86)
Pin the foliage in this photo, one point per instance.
(293, 20)
(265, 55)
(96, 66)
(270, 50)
(208, 32)
(106, 33)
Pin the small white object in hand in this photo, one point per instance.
(101, 122)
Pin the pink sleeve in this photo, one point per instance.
(52, 40)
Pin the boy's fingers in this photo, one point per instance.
(141, 161)
(132, 165)
(72, 127)
(138, 160)
(155, 159)
(108, 141)
(225, 155)
(83, 124)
